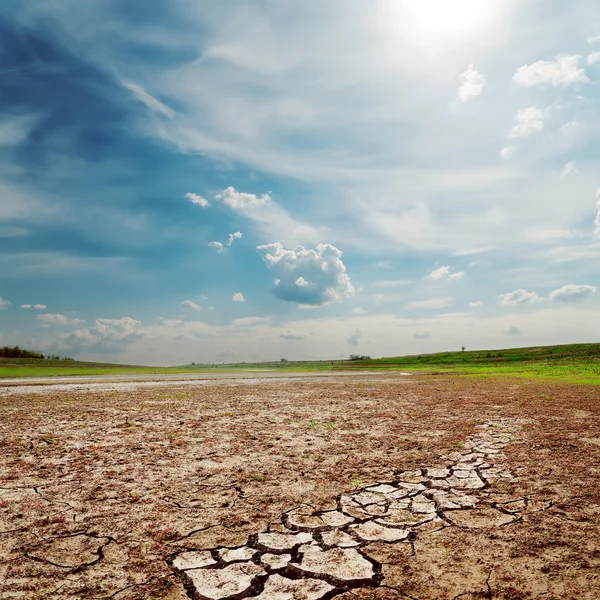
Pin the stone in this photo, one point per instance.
(338, 566)
(275, 561)
(282, 588)
(376, 532)
(438, 473)
(218, 584)
(338, 538)
(194, 560)
(282, 542)
(232, 554)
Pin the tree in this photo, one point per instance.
(463, 348)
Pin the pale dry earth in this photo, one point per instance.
(101, 490)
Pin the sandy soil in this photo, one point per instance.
(100, 490)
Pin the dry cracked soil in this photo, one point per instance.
(365, 487)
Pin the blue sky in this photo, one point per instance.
(220, 181)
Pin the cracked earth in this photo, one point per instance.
(356, 487)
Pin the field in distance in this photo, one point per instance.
(575, 363)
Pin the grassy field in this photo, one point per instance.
(575, 363)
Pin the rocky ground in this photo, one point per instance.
(357, 487)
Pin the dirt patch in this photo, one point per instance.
(100, 491)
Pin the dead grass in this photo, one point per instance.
(97, 491)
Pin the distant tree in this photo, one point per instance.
(359, 357)
(463, 348)
(283, 360)
(16, 352)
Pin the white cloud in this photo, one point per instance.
(355, 338)
(309, 277)
(172, 322)
(514, 330)
(359, 310)
(238, 297)
(477, 304)
(472, 84)
(564, 70)
(431, 303)
(234, 236)
(4, 303)
(108, 335)
(456, 276)
(593, 39)
(422, 335)
(290, 334)
(249, 321)
(573, 293)
(26, 306)
(195, 199)
(593, 58)
(597, 219)
(519, 296)
(507, 152)
(529, 120)
(16, 129)
(234, 199)
(217, 246)
(57, 319)
(39, 306)
(191, 305)
(150, 101)
(445, 273)
(569, 169)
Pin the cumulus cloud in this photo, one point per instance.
(507, 152)
(39, 306)
(431, 303)
(568, 169)
(519, 296)
(26, 306)
(249, 321)
(150, 101)
(573, 293)
(234, 199)
(564, 70)
(354, 338)
(306, 276)
(172, 322)
(238, 297)
(195, 199)
(290, 334)
(528, 120)
(234, 236)
(472, 84)
(57, 319)
(4, 303)
(593, 58)
(514, 330)
(445, 273)
(477, 304)
(422, 335)
(359, 310)
(107, 335)
(217, 246)
(191, 305)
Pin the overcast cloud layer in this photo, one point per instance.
(216, 181)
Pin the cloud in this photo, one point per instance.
(236, 200)
(597, 219)
(592, 39)
(477, 304)
(513, 331)
(568, 169)
(529, 120)
(107, 336)
(217, 246)
(26, 306)
(573, 293)
(191, 305)
(238, 297)
(472, 84)
(16, 129)
(309, 277)
(150, 101)
(57, 319)
(249, 321)
(432, 303)
(233, 236)
(171, 322)
(563, 71)
(290, 334)
(39, 306)
(195, 199)
(355, 338)
(359, 310)
(423, 335)
(444, 273)
(4, 303)
(507, 152)
(593, 58)
(519, 297)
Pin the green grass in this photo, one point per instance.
(575, 363)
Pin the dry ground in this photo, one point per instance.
(99, 490)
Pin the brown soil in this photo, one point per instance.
(99, 490)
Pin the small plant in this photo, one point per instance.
(460, 444)
(356, 483)
(330, 427)
(313, 423)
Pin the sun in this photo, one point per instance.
(442, 20)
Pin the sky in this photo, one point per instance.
(225, 180)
